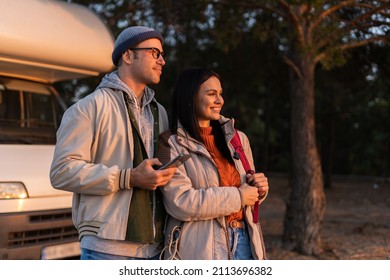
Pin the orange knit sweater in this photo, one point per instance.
(227, 171)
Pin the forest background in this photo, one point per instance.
(243, 42)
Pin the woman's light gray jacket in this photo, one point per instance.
(193, 196)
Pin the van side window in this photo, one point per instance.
(39, 110)
(28, 113)
(10, 113)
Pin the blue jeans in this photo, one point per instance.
(239, 244)
(87, 254)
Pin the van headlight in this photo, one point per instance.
(11, 190)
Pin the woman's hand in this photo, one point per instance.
(260, 181)
(249, 195)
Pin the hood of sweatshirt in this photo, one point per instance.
(113, 81)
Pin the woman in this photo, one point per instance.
(210, 197)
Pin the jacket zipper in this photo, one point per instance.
(262, 240)
(154, 214)
(226, 230)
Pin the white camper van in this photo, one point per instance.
(41, 42)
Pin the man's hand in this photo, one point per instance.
(144, 176)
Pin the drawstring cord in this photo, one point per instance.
(173, 245)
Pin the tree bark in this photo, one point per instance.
(306, 205)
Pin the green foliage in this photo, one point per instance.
(333, 58)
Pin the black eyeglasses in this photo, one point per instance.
(155, 52)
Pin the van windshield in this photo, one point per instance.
(29, 113)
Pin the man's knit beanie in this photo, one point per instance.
(130, 37)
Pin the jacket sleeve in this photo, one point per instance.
(191, 195)
(72, 167)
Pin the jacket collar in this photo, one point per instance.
(113, 81)
(189, 142)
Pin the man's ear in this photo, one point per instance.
(127, 57)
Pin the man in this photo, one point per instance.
(105, 155)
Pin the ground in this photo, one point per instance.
(356, 223)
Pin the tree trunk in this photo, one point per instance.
(305, 208)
